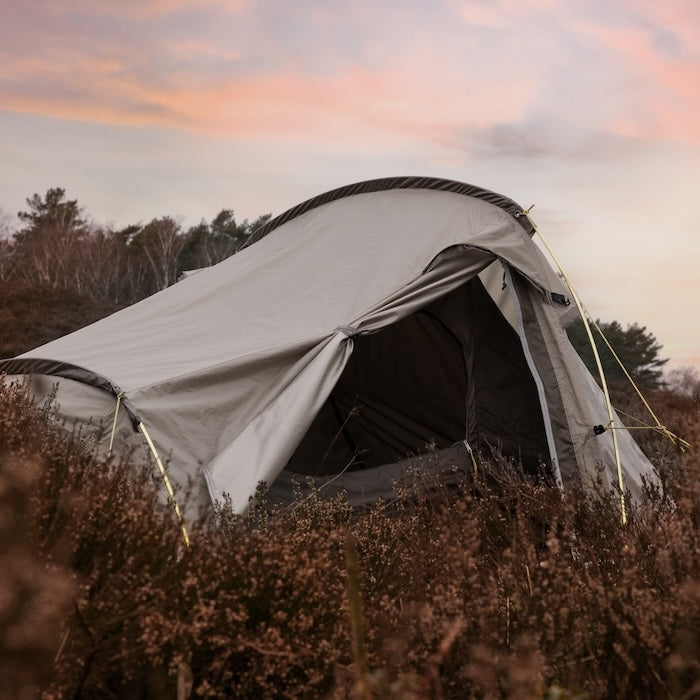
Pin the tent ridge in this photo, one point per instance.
(396, 183)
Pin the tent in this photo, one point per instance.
(351, 333)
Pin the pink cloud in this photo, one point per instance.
(407, 96)
(658, 87)
(498, 13)
(395, 81)
(480, 13)
(140, 9)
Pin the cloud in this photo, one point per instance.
(498, 13)
(631, 67)
(527, 139)
(502, 76)
(188, 65)
(657, 75)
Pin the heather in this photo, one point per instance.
(500, 586)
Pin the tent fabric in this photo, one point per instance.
(229, 368)
(303, 390)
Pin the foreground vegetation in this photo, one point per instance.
(501, 588)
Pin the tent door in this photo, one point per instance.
(451, 371)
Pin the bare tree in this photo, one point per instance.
(161, 241)
(100, 266)
(7, 225)
(7, 257)
(684, 381)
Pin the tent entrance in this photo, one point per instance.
(451, 371)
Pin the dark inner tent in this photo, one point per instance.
(451, 372)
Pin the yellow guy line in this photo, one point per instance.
(675, 439)
(659, 427)
(599, 365)
(114, 423)
(168, 485)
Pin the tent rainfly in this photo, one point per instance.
(353, 331)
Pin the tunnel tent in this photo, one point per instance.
(352, 332)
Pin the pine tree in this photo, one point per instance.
(636, 347)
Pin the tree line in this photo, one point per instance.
(57, 247)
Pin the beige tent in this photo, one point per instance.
(355, 330)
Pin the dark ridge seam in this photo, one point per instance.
(66, 370)
(395, 183)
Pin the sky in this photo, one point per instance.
(588, 109)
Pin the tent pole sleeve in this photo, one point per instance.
(168, 485)
(599, 365)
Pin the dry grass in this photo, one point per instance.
(498, 588)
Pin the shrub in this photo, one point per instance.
(499, 587)
(31, 316)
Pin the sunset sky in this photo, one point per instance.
(590, 110)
